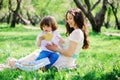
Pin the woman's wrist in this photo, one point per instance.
(57, 49)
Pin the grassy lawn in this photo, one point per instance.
(100, 62)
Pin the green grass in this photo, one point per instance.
(100, 62)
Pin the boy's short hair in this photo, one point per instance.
(49, 21)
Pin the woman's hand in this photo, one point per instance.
(61, 41)
(52, 47)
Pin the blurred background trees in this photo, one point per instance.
(88, 7)
(98, 12)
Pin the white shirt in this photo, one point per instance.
(76, 36)
(54, 40)
(69, 62)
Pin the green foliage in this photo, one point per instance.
(99, 62)
(38, 8)
(116, 68)
(57, 8)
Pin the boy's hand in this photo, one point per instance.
(48, 36)
(41, 38)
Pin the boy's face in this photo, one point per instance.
(47, 28)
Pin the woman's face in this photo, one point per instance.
(47, 28)
(70, 20)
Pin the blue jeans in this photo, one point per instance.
(53, 56)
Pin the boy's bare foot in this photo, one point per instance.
(43, 68)
(11, 62)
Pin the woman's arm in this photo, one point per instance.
(67, 52)
(61, 40)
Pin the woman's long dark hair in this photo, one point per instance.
(80, 21)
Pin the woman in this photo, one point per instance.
(77, 39)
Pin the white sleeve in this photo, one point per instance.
(76, 36)
(56, 34)
(39, 35)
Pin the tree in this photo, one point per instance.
(115, 5)
(15, 12)
(17, 15)
(31, 11)
(97, 19)
(108, 16)
(3, 10)
(1, 3)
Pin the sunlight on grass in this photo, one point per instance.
(95, 63)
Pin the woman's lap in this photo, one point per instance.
(61, 63)
(30, 57)
(64, 62)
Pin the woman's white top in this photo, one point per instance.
(69, 62)
(54, 40)
(76, 36)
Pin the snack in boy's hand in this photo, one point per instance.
(48, 36)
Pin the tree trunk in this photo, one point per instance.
(118, 26)
(15, 13)
(114, 10)
(30, 19)
(13, 20)
(1, 4)
(96, 21)
(8, 18)
(116, 18)
(107, 23)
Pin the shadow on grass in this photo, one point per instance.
(96, 76)
(5, 28)
(8, 74)
(94, 34)
(18, 38)
(103, 36)
(112, 38)
(113, 75)
(55, 75)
